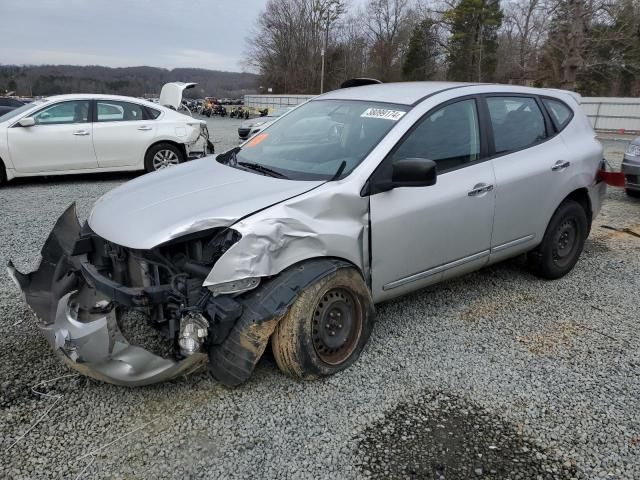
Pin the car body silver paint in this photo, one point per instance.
(192, 197)
(284, 235)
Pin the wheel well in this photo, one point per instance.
(3, 172)
(581, 196)
(179, 146)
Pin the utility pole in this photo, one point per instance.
(322, 74)
(331, 12)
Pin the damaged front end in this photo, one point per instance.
(84, 285)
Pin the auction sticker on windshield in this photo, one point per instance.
(393, 115)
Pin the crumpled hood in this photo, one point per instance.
(192, 197)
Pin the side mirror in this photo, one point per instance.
(27, 122)
(409, 172)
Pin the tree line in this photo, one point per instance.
(590, 46)
(131, 81)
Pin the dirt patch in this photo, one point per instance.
(550, 342)
(487, 308)
(441, 436)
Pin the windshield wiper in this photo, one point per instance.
(262, 169)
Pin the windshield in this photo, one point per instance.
(279, 112)
(314, 140)
(19, 110)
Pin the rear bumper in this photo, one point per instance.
(79, 320)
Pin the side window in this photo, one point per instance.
(560, 113)
(517, 122)
(152, 112)
(115, 111)
(76, 111)
(449, 136)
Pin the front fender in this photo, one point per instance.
(324, 224)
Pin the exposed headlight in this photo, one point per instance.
(633, 150)
(193, 332)
(237, 286)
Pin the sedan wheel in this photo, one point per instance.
(165, 159)
(161, 156)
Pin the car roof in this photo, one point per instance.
(405, 93)
(412, 93)
(99, 96)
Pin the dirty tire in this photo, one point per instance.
(3, 174)
(298, 347)
(629, 192)
(562, 243)
(171, 151)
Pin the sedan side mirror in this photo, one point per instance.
(409, 172)
(27, 122)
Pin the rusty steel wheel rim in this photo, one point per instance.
(337, 326)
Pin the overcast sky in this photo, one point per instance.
(119, 33)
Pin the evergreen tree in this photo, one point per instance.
(473, 41)
(420, 61)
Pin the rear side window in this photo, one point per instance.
(560, 113)
(115, 111)
(517, 123)
(449, 136)
(152, 113)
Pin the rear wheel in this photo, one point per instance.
(632, 193)
(562, 243)
(161, 156)
(326, 328)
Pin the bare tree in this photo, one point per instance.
(388, 30)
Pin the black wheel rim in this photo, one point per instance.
(565, 242)
(337, 326)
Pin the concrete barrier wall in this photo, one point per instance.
(610, 114)
(274, 102)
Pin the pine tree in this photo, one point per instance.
(420, 61)
(473, 41)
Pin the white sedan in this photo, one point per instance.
(87, 133)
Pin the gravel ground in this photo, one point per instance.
(548, 373)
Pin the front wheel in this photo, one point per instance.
(326, 328)
(161, 156)
(562, 243)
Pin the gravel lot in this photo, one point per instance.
(495, 375)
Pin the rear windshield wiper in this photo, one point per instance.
(262, 169)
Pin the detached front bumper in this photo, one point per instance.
(80, 322)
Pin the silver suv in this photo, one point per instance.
(353, 198)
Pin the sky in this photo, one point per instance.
(119, 33)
